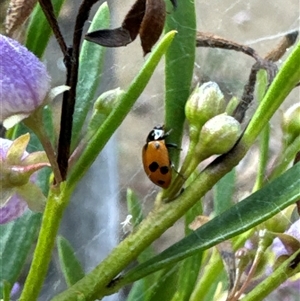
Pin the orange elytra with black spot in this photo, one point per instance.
(156, 161)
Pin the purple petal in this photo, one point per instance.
(13, 209)
(15, 289)
(24, 80)
(278, 247)
(16, 206)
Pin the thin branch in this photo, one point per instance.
(213, 41)
(69, 97)
(205, 39)
(48, 10)
(268, 63)
(296, 160)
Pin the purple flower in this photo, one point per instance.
(24, 82)
(17, 168)
(287, 244)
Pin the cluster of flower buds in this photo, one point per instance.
(204, 103)
(211, 130)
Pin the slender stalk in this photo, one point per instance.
(46, 240)
(35, 122)
(264, 136)
(48, 10)
(69, 97)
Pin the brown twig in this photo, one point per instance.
(205, 39)
(287, 41)
(268, 63)
(69, 97)
(296, 160)
(48, 10)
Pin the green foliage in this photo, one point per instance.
(16, 242)
(255, 209)
(69, 263)
(90, 68)
(174, 273)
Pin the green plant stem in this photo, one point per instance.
(184, 173)
(189, 268)
(212, 268)
(280, 275)
(263, 157)
(284, 159)
(50, 223)
(35, 123)
(265, 134)
(262, 246)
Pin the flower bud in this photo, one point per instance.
(291, 123)
(24, 82)
(17, 180)
(102, 108)
(204, 103)
(107, 101)
(218, 135)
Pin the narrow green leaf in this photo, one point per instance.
(137, 291)
(39, 31)
(284, 159)
(134, 207)
(250, 212)
(208, 281)
(69, 263)
(89, 75)
(144, 287)
(5, 290)
(179, 69)
(223, 192)
(189, 267)
(286, 79)
(165, 286)
(16, 241)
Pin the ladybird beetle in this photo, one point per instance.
(156, 161)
